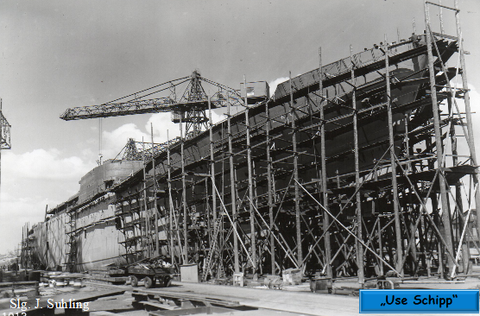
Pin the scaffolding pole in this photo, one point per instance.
(157, 246)
(212, 180)
(232, 190)
(376, 202)
(146, 236)
(358, 201)
(170, 202)
(323, 153)
(298, 222)
(184, 197)
(468, 112)
(438, 143)
(253, 242)
(393, 166)
(269, 188)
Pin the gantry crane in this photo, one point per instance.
(188, 108)
(4, 136)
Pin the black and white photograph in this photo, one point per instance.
(242, 157)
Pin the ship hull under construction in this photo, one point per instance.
(337, 173)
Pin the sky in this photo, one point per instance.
(58, 54)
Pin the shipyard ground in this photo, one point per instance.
(297, 300)
(106, 299)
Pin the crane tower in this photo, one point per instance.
(5, 142)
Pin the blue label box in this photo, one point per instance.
(419, 301)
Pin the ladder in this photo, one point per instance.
(213, 248)
(71, 245)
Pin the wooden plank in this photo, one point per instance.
(8, 284)
(213, 299)
(191, 311)
(86, 297)
(159, 305)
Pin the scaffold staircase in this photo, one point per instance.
(130, 223)
(71, 249)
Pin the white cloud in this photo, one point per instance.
(475, 108)
(30, 181)
(273, 84)
(21, 203)
(114, 141)
(43, 164)
(162, 122)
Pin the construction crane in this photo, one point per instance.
(138, 150)
(189, 107)
(4, 136)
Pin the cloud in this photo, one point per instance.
(273, 84)
(163, 130)
(30, 181)
(114, 141)
(161, 123)
(474, 102)
(15, 211)
(43, 164)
